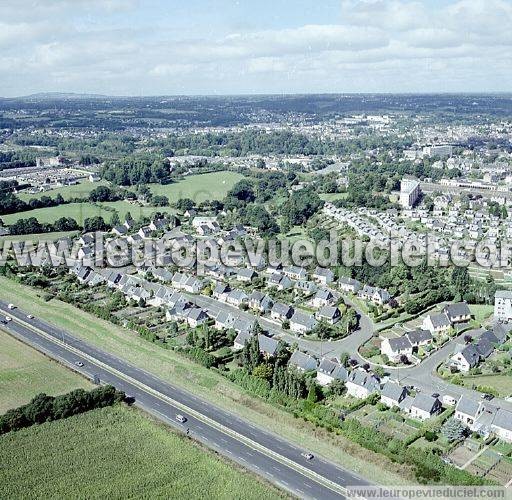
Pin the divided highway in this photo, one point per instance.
(266, 454)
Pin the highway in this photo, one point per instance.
(259, 450)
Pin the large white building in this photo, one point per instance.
(409, 192)
(503, 305)
(441, 151)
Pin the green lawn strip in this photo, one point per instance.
(117, 453)
(501, 383)
(53, 236)
(206, 383)
(24, 372)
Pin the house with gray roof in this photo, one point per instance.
(425, 406)
(246, 274)
(281, 312)
(241, 339)
(323, 297)
(224, 320)
(302, 362)
(349, 285)
(361, 384)
(393, 394)
(237, 297)
(394, 348)
(436, 323)
(419, 337)
(502, 425)
(323, 275)
(302, 323)
(268, 346)
(330, 314)
(467, 410)
(457, 313)
(260, 301)
(329, 370)
(466, 358)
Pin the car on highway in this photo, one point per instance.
(181, 418)
(79, 363)
(30, 316)
(307, 456)
(11, 306)
(8, 318)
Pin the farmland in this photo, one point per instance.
(25, 372)
(117, 453)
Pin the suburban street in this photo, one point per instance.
(264, 453)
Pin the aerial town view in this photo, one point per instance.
(255, 250)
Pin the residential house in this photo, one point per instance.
(295, 272)
(302, 323)
(394, 348)
(224, 320)
(323, 297)
(241, 339)
(279, 281)
(457, 313)
(237, 298)
(436, 323)
(260, 302)
(268, 346)
(246, 275)
(220, 291)
(329, 371)
(376, 295)
(393, 394)
(196, 317)
(305, 286)
(349, 285)
(425, 406)
(419, 338)
(244, 325)
(302, 362)
(361, 384)
(323, 275)
(330, 314)
(281, 312)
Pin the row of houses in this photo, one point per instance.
(484, 418)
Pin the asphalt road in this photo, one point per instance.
(266, 454)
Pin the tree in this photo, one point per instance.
(102, 193)
(97, 223)
(263, 371)
(453, 430)
(344, 359)
(184, 204)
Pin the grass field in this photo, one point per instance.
(25, 372)
(81, 211)
(481, 311)
(81, 190)
(332, 196)
(502, 383)
(213, 186)
(205, 383)
(117, 453)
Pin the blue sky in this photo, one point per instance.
(156, 47)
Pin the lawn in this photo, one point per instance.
(481, 312)
(502, 383)
(202, 187)
(81, 211)
(117, 453)
(81, 190)
(53, 236)
(330, 197)
(25, 372)
(205, 383)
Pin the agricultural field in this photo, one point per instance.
(117, 452)
(82, 211)
(199, 188)
(25, 372)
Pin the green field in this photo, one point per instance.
(205, 383)
(25, 372)
(332, 196)
(213, 186)
(481, 312)
(82, 211)
(501, 383)
(81, 190)
(117, 452)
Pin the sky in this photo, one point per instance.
(157, 47)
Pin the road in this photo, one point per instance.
(266, 454)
